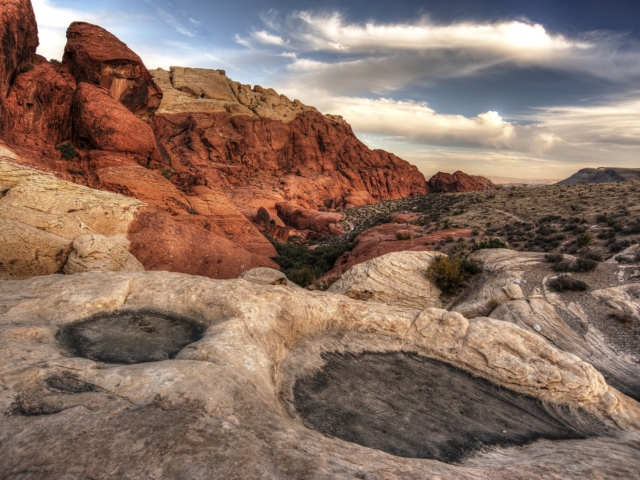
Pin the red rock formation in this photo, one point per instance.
(102, 123)
(38, 108)
(458, 182)
(163, 242)
(96, 56)
(19, 34)
(321, 223)
(313, 160)
(384, 239)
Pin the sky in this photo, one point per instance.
(510, 88)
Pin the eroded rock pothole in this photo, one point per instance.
(130, 336)
(413, 406)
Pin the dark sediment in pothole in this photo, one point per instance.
(130, 337)
(412, 406)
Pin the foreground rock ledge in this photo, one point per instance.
(223, 406)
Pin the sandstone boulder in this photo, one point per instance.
(96, 56)
(321, 223)
(458, 182)
(396, 279)
(37, 110)
(232, 391)
(97, 253)
(118, 131)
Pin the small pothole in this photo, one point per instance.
(416, 407)
(130, 336)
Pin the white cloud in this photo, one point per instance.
(174, 23)
(52, 26)
(267, 38)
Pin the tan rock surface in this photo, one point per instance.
(97, 253)
(266, 276)
(396, 279)
(221, 398)
(27, 251)
(210, 91)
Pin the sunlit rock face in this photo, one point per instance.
(235, 377)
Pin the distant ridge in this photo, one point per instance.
(602, 175)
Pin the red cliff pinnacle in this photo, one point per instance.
(458, 182)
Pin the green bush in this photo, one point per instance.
(554, 257)
(585, 239)
(450, 273)
(193, 211)
(27, 67)
(303, 266)
(495, 243)
(403, 236)
(68, 151)
(76, 172)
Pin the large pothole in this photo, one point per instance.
(412, 406)
(130, 336)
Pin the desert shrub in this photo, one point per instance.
(446, 273)
(492, 305)
(384, 219)
(471, 267)
(622, 317)
(294, 239)
(27, 67)
(449, 239)
(554, 257)
(167, 172)
(403, 236)
(475, 232)
(76, 172)
(67, 150)
(495, 243)
(591, 255)
(565, 283)
(618, 246)
(579, 265)
(585, 239)
(193, 211)
(303, 266)
(549, 219)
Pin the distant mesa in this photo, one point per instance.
(458, 182)
(602, 175)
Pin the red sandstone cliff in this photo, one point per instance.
(203, 152)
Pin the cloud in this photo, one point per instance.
(174, 23)
(378, 57)
(52, 26)
(267, 38)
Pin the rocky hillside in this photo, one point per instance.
(602, 175)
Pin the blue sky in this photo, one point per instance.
(501, 88)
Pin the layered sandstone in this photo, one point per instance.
(458, 182)
(229, 398)
(48, 226)
(19, 33)
(253, 138)
(95, 56)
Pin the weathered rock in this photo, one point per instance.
(514, 287)
(189, 90)
(383, 239)
(19, 33)
(27, 251)
(97, 253)
(184, 242)
(266, 276)
(458, 182)
(118, 131)
(37, 110)
(230, 396)
(96, 56)
(397, 279)
(257, 139)
(628, 255)
(321, 223)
